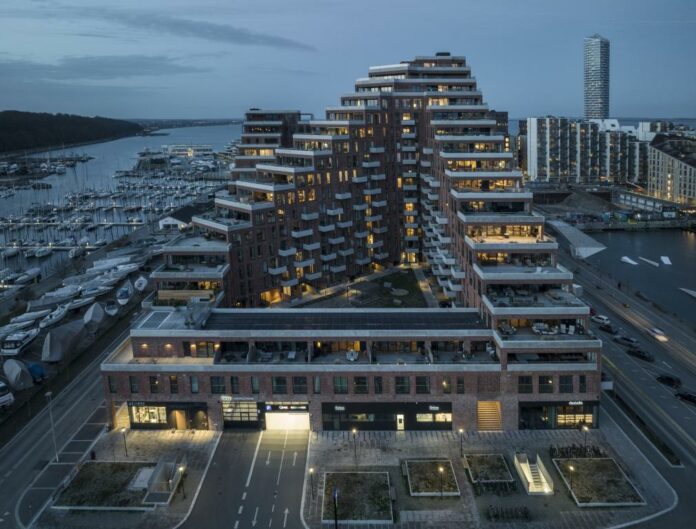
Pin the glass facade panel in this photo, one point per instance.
(148, 414)
(340, 385)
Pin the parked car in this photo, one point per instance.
(658, 334)
(687, 396)
(639, 353)
(608, 327)
(601, 319)
(6, 397)
(669, 380)
(625, 340)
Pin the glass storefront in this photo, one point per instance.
(555, 415)
(160, 416)
(239, 413)
(387, 416)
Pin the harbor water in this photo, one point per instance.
(655, 280)
(108, 208)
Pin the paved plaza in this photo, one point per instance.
(387, 450)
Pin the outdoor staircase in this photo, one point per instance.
(538, 484)
(488, 416)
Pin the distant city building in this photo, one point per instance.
(568, 151)
(596, 77)
(672, 168)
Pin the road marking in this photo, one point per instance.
(244, 496)
(236, 524)
(273, 508)
(270, 522)
(268, 459)
(253, 461)
(280, 468)
(669, 366)
(294, 458)
(256, 515)
(241, 508)
(285, 517)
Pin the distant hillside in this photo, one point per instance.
(30, 130)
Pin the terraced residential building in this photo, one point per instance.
(412, 167)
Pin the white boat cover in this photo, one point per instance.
(18, 376)
(94, 315)
(61, 340)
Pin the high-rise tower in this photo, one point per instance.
(596, 77)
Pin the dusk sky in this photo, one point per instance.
(217, 58)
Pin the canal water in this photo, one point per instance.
(96, 175)
(661, 283)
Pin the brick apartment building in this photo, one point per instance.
(412, 168)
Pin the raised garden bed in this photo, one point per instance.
(488, 468)
(362, 497)
(425, 478)
(598, 482)
(104, 484)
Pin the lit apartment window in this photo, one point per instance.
(154, 385)
(446, 386)
(173, 384)
(524, 384)
(340, 385)
(545, 384)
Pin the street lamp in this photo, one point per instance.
(572, 469)
(355, 443)
(181, 471)
(125, 442)
(311, 480)
(441, 470)
(585, 429)
(461, 442)
(49, 398)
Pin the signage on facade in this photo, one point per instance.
(575, 403)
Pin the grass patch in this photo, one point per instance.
(426, 479)
(103, 485)
(362, 496)
(488, 468)
(598, 481)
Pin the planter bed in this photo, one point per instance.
(424, 478)
(488, 468)
(103, 485)
(362, 497)
(598, 482)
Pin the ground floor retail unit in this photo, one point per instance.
(169, 415)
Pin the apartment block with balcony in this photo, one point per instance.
(411, 167)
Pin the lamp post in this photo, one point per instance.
(49, 398)
(311, 480)
(441, 470)
(461, 442)
(181, 471)
(585, 429)
(125, 442)
(572, 469)
(355, 443)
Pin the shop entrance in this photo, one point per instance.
(399, 422)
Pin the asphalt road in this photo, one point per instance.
(255, 480)
(23, 458)
(635, 379)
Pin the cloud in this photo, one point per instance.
(211, 31)
(95, 68)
